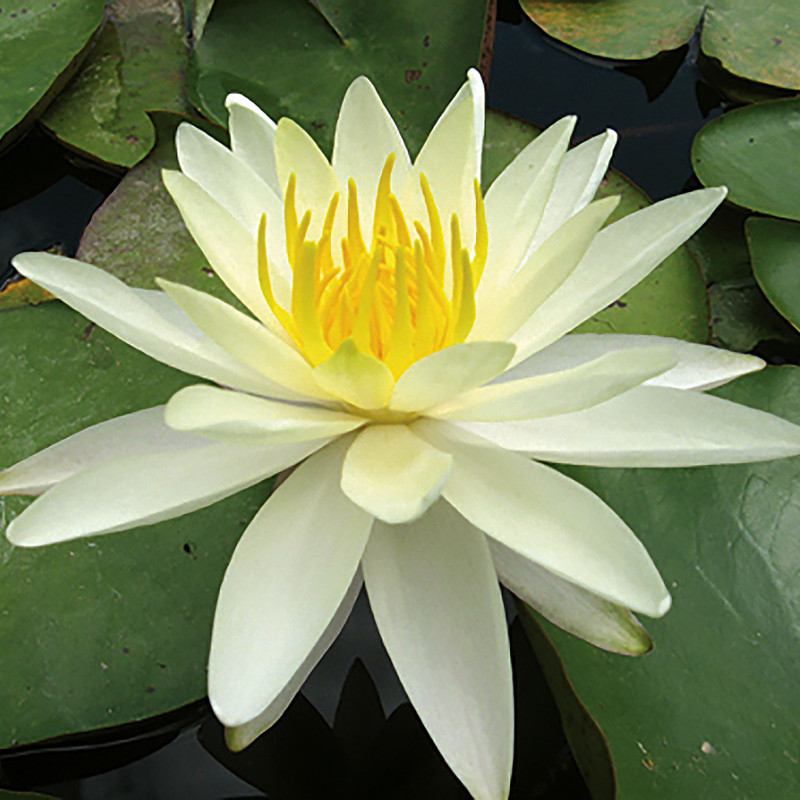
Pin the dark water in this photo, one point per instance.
(47, 197)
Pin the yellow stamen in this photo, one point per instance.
(281, 315)
(389, 298)
(400, 348)
(481, 236)
(466, 307)
(304, 304)
(435, 222)
(290, 216)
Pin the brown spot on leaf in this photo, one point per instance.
(413, 75)
(426, 42)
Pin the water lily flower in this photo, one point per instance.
(407, 345)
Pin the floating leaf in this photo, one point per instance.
(135, 66)
(741, 317)
(296, 58)
(756, 41)
(755, 152)
(138, 233)
(775, 250)
(41, 45)
(671, 301)
(113, 629)
(713, 711)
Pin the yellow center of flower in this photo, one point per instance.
(388, 297)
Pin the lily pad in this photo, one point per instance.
(114, 629)
(135, 66)
(755, 152)
(138, 234)
(775, 250)
(671, 301)
(755, 40)
(741, 317)
(296, 58)
(41, 45)
(713, 711)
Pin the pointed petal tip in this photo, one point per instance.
(14, 538)
(236, 99)
(663, 606)
(237, 739)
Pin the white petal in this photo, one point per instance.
(252, 138)
(517, 198)
(548, 518)
(289, 574)
(449, 372)
(699, 365)
(355, 377)
(228, 416)
(621, 255)
(451, 160)
(226, 178)
(230, 248)
(582, 613)
(582, 170)
(394, 474)
(296, 152)
(146, 488)
(240, 736)
(543, 272)
(560, 392)
(365, 136)
(249, 341)
(141, 432)
(651, 426)
(130, 315)
(437, 605)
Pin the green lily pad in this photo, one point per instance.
(135, 66)
(755, 152)
(775, 250)
(755, 40)
(41, 45)
(713, 711)
(110, 630)
(671, 301)
(741, 316)
(138, 234)
(297, 58)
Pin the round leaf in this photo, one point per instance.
(135, 66)
(114, 629)
(756, 41)
(297, 59)
(741, 316)
(775, 250)
(138, 234)
(712, 712)
(755, 152)
(41, 45)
